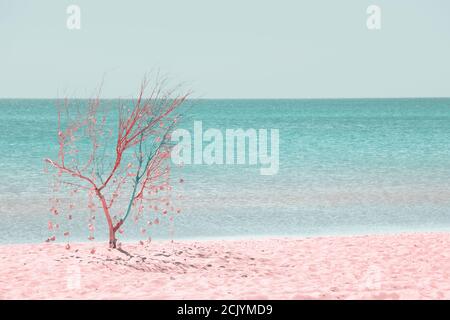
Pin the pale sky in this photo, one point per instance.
(227, 48)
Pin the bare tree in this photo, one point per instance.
(138, 164)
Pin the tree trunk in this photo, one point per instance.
(112, 239)
(112, 230)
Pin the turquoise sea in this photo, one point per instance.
(347, 166)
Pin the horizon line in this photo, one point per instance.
(304, 98)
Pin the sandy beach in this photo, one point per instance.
(404, 266)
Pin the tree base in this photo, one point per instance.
(113, 244)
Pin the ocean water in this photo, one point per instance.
(348, 166)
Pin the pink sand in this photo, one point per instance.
(400, 266)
